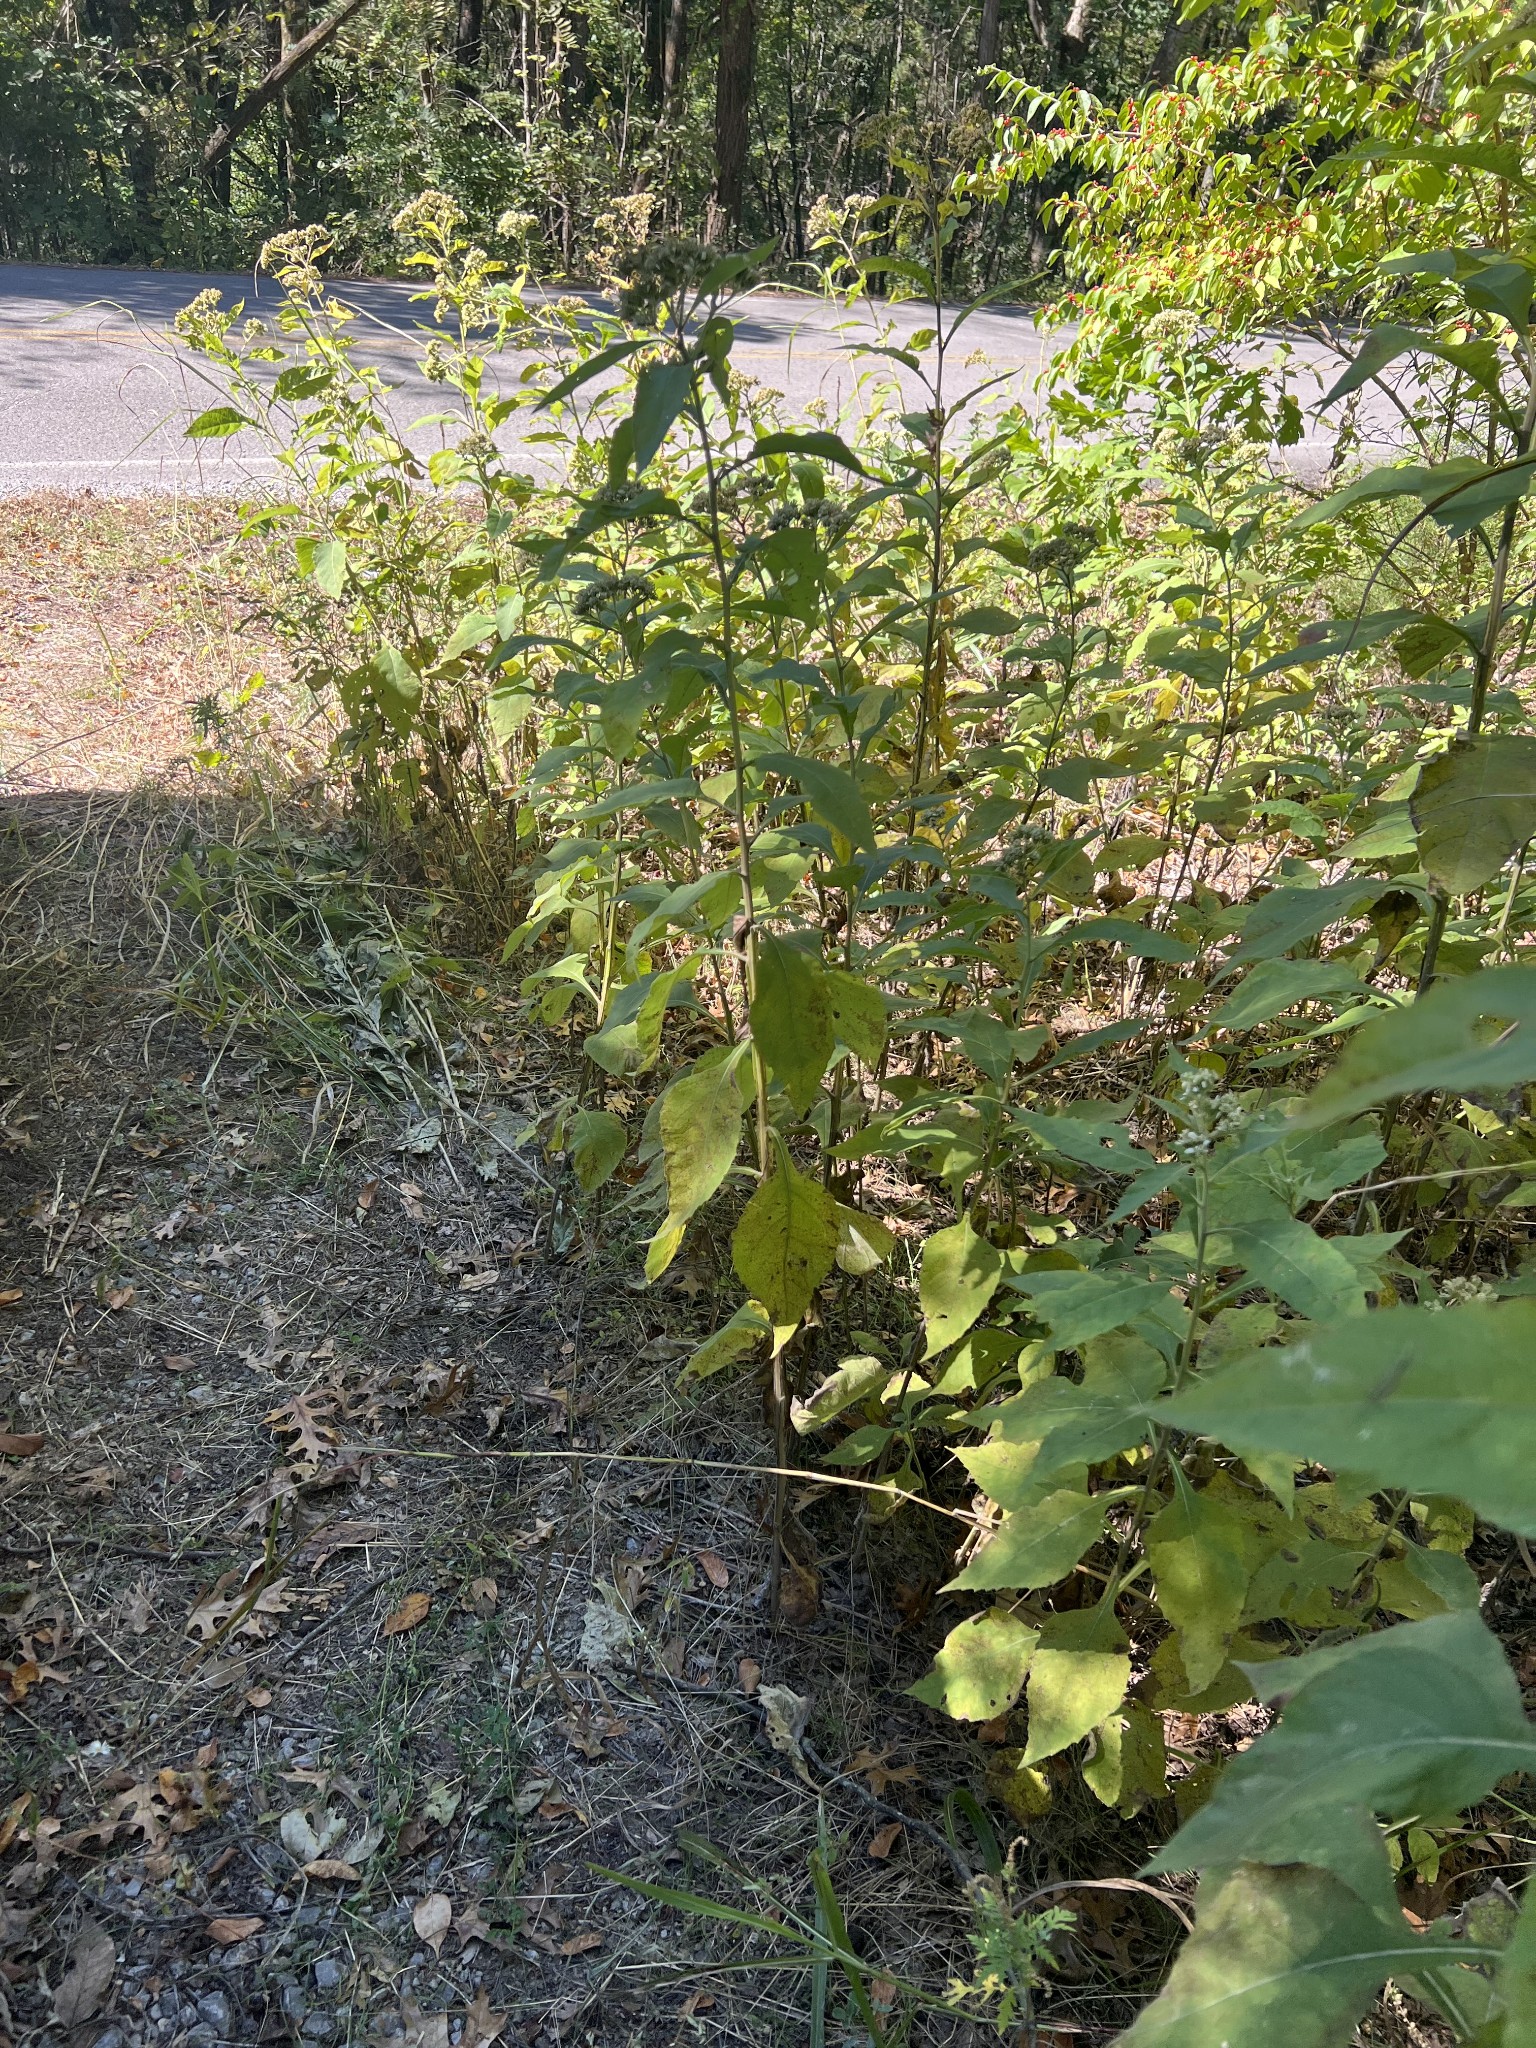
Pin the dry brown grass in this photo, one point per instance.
(117, 618)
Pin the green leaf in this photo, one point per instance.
(1289, 917)
(1139, 940)
(1077, 1679)
(595, 366)
(1437, 1403)
(832, 793)
(857, 1010)
(1038, 1545)
(821, 447)
(855, 1380)
(750, 1327)
(1473, 1033)
(1425, 1582)
(863, 1242)
(396, 688)
(661, 392)
(786, 1242)
(981, 1669)
(596, 1141)
(1195, 1548)
(699, 1120)
(1129, 1764)
(1275, 986)
(1086, 1421)
(1292, 1261)
(1286, 1956)
(326, 561)
(1329, 638)
(1080, 1306)
(1474, 807)
(1421, 1719)
(217, 423)
(958, 1277)
(630, 1038)
(473, 630)
(1516, 1981)
(791, 1017)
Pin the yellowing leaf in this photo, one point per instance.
(699, 1119)
(1077, 1679)
(1195, 1547)
(981, 1668)
(786, 1242)
(959, 1276)
(1036, 1546)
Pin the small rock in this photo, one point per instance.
(294, 2003)
(213, 2007)
(328, 1973)
(114, 2037)
(318, 2027)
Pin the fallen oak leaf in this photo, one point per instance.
(411, 1613)
(333, 1868)
(232, 1927)
(122, 1297)
(883, 1841)
(481, 2025)
(715, 1570)
(13, 1445)
(11, 1296)
(581, 1944)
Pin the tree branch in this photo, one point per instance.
(225, 136)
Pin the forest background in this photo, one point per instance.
(572, 123)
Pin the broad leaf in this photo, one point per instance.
(1472, 1033)
(1038, 1545)
(1129, 1763)
(699, 1119)
(785, 1242)
(1406, 1397)
(1474, 808)
(791, 1019)
(1275, 986)
(1286, 1956)
(749, 1328)
(980, 1670)
(630, 1037)
(1422, 1719)
(857, 1010)
(1077, 1679)
(863, 1242)
(832, 793)
(596, 1141)
(1195, 1547)
(959, 1276)
(661, 392)
(396, 688)
(855, 1380)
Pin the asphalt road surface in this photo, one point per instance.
(95, 392)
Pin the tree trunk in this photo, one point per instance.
(989, 35)
(733, 103)
(1171, 48)
(469, 35)
(299, 119)
(1074, 33)
(674, 48)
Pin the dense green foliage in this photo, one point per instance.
(572, 124)
(1073, 880)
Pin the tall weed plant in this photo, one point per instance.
(1055, 884)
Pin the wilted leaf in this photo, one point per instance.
(233, 1927)
(411, 1613)
(92, 1961)
(883, 1841)
(715, 1570)
(785, 1242)
(335, 1869)
(481, 2025)
(432, 1917)
(18, 1446)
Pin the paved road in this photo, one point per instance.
(94, 392)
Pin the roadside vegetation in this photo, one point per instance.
(1022, 921)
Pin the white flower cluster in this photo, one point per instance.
(1211, 1114)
